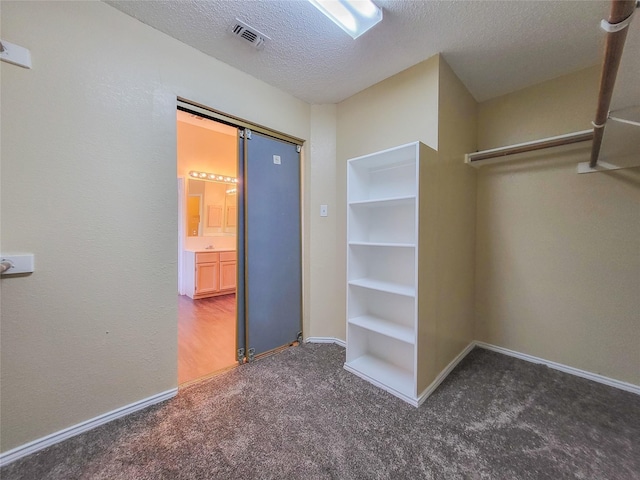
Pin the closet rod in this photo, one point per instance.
(616, 28)
(560, 140)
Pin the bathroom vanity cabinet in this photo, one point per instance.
(214, 273)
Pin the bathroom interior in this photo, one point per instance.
(207, 154)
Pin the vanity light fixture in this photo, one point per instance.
(214, 177)
(353, 16)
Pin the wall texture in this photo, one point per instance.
(558, 263)
(324, 289)
(563, 105)
(457, 133)
(88, 147)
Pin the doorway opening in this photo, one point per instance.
(239, 241)
(207, 156)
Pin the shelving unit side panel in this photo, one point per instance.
(430, 196)
(357, 180)
(357, 343)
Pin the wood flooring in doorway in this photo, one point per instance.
(206, 336)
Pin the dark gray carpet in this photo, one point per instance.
(299, 415)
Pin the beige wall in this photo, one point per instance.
(558, 267)
(456, 191)
(88, 152)
(399, 110)
(446, 302)
(324, 287)
(562, 105)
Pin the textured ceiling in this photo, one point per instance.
(494, 47)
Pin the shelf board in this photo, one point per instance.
(384, 286)
(383, 244)
(385, 202)
(384, 374)
(385, 327)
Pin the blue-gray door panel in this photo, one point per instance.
(273, 247)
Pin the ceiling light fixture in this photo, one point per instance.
(353, 16)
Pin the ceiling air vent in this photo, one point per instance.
(248, 34)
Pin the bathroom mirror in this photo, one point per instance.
(211, 209)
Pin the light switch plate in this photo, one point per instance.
(324, 210)
(15, 54)
(20, 263)
(276, 159)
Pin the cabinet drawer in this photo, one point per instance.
(227, 256)
(206, 257)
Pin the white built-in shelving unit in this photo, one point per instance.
(382, 276)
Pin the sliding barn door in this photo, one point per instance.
(272, 243)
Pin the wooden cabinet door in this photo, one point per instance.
(207, 278)
(228, 275)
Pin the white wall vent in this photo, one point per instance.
(248, 34)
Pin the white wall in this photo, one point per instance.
(558, 262)
(88, 149)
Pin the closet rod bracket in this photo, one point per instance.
(621, 25)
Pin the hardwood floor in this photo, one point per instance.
(206, 336)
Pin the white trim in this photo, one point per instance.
(61, 435)
(444, 373)
(181, 234)
(337, 341)
(629, 387)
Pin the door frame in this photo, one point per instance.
(242, 124)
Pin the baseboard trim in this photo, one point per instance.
(61, 435)
(337, 341)
(629, 387)
(445, 373)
